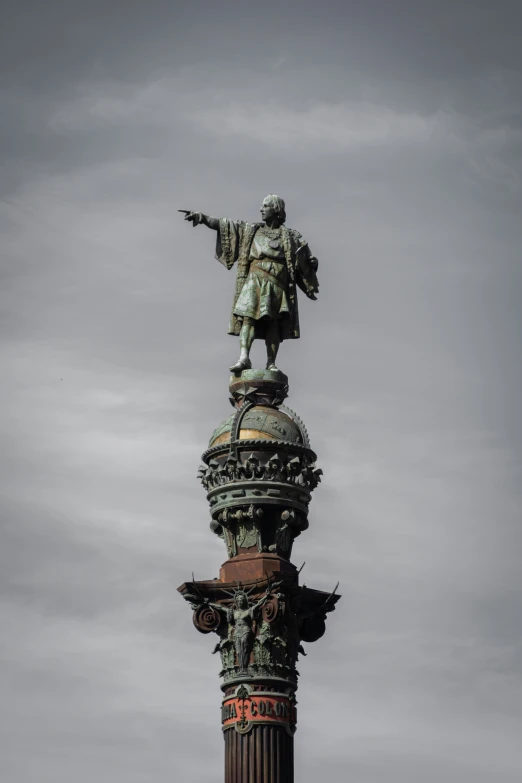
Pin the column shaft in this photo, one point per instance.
(264, 755)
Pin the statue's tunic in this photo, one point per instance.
(270, 264)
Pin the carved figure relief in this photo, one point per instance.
(295, 471)
(246, 535)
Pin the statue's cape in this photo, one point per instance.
(234, 240)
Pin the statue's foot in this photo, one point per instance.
(240, 365)
(271, 366)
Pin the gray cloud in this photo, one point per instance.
(393, 132)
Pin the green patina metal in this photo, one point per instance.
(259, 473)
(262, 638)
(272, 262)
(259, 489)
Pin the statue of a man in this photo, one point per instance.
(272, 261)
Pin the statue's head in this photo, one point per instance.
(294, 466)
(231, 464)
(241, 601)
(252, 462)
(273, 207)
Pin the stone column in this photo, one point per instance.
(259, 472)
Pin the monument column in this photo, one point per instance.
(259, 473)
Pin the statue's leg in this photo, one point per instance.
(246, 338)
(243, 652)
(272, 340)
(244, 655)
(239, 653)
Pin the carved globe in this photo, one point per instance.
(259, 470)
(262, 422)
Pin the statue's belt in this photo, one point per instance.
(254, 270)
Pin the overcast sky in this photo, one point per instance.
(393, 130)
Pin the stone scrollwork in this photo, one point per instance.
(206, 618)
(270, 610)
(295, 470)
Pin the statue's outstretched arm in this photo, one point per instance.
(218, 608)
(261, 602)
(197, 218)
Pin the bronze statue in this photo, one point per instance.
(241, 617)
(272, 261)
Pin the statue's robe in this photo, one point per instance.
(234, 243)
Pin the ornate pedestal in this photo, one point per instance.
(259, 472)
